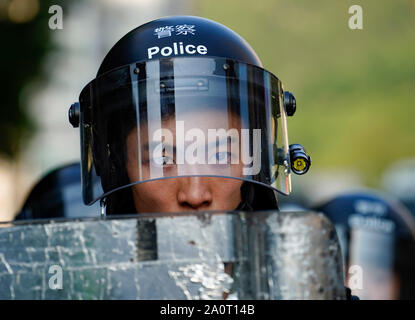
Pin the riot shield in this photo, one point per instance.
(236, 255)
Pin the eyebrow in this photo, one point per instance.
(154, 144)
(228, 139)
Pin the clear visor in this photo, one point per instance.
(183, 117)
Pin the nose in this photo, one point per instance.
(195, 193)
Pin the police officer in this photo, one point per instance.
(377, 237)
(187, 98)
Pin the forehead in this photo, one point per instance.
(199, 125)
(203, 119)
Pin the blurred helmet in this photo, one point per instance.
(177, 97)
(399, 180)
(58, 195)
(377, 237)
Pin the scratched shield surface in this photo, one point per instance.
(262, 255)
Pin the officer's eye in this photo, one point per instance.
(167, 160)
(221, 157)
(163, 160)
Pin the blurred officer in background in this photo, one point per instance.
(57, 195)
(377, 237)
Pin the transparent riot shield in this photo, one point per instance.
(237, 255)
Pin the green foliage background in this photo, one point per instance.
(355, 89)
(24, 47)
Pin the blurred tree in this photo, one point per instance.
(26, 39)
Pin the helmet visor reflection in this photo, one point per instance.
(183, 117)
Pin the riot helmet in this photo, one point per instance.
(185, 96)
(377, 238)
(57, 195)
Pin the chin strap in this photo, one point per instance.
(256, 197)
(247, 196)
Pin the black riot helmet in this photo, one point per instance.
(184, 96)
(57, 195)
(377, 237)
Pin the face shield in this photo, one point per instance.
(183, 117)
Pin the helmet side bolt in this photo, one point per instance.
(290, 103)
(73, 114)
